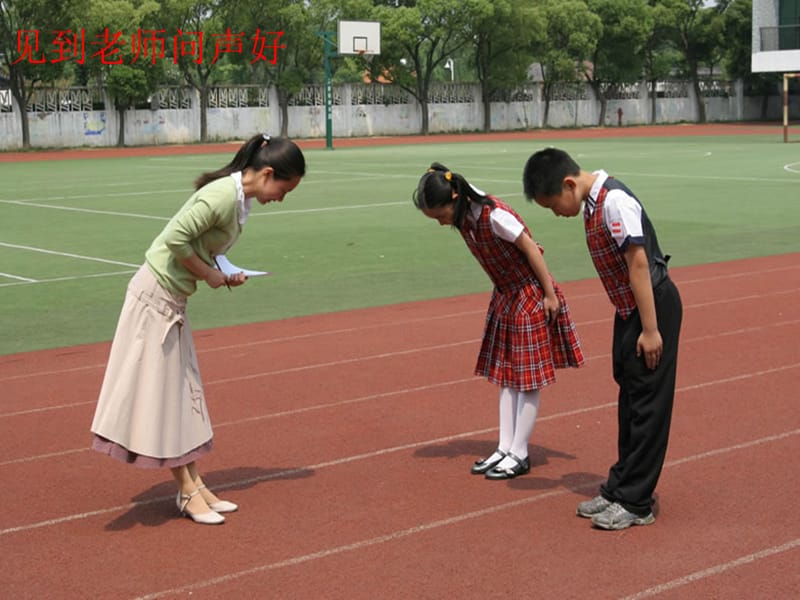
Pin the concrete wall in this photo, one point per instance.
(370, 111)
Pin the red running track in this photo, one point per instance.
(347, 439)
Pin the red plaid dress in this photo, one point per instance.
(519, 350)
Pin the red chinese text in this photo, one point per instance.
(144, 45)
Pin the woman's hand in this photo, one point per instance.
(216, 278)
(236, 279)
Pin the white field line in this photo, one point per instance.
(274, 213)
(68, 255)
(21, 279)
(85, 210)
(69, 278)
(28, 281)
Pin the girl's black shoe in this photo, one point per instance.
(522, 467)
(484, 464)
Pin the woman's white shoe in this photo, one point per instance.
(211, 517)
(221, 506)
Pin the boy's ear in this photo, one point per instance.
(570, 183)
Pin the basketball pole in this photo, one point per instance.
(785, 99)
(328, 43)
(786, 77)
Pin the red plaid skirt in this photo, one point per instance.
(519, 350)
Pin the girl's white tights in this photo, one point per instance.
(518, 411)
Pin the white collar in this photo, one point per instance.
(599, 180)
(242, 203)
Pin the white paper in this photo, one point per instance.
(229, 268)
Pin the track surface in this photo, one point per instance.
(347, 439)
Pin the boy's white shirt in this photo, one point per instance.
(622, 214)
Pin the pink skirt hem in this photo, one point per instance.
(120, 453)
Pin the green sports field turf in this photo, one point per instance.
(72, 232)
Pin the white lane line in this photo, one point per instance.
(382, 452)
(396, 535)
(715, 570)
(286, 413)
(58, 372)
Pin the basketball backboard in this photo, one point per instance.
(359, 38)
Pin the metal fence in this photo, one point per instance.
(49, 100)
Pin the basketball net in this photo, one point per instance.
(362, 54)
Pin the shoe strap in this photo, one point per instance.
(186, 498)
(497, 451)
(515, 458)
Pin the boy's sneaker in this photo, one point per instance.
(590, 508)
(617, 517)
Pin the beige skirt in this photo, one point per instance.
(152, 402)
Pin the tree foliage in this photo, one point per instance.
(26, 33)
(500, 44)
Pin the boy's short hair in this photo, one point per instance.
(545, 172)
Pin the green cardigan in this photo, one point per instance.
(207, 225)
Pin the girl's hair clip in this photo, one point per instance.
(266, 137)
(448, 175)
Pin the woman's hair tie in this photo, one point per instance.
(448, 175)
(266, 137)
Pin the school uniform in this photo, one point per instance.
(151, 410)
(613, 219)
(519, 349)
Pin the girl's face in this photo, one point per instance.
(273, 189)
(443, 214)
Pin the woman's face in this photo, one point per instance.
(273, 189)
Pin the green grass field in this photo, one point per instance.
(72, 232)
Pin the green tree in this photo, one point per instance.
(415, 42)
(660, 55)
(618, 57)
(27, 28)
(501, 32)
(132, 68)
(738, 20)
(205, 42)
(697, 33)
(299, 60)
(570, 39)
(294, 50)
